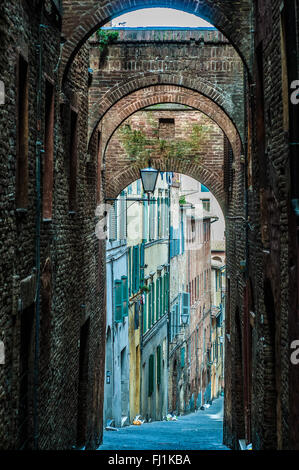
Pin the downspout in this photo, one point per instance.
(38, 151)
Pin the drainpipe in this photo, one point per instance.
(38, 152)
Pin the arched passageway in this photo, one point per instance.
(50, 171)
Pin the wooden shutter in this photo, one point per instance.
(161, 296)
(125, 296)
(157, 299)
(118, 301)
(153, 303)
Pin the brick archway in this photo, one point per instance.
(192, 86)
(157, 94)
(81, 19)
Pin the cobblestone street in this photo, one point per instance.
(196, 431)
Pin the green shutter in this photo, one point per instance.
(130, 270)
(118, 300)
(151, 375)
(125, 296)
(161, 296)
(157, 299)
(149, 309)
(159, 365)
(153, 303)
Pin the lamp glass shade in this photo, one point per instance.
(185, 318)
(149, 179)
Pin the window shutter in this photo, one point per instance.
(136, 267)
(125, 296)
(118, 301)
(153, 304)
(157, 299)
(130, 269)
(177, 319)
(159, 365)
(151, 375)
(149, 308)
(161, 296)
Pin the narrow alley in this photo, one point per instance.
(149, 225)
(195, 431)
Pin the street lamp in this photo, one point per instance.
(185, 318)
(149, 179)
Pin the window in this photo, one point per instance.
(206, 204)
(49, 150)
(166, 128)
(73, 162)
(22, 135)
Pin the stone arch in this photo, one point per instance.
(80, 21)
(184, 81)
(157, 94)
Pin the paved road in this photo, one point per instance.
(196, 431)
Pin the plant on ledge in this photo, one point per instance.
(105, 38)
(139, 146)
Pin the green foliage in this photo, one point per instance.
(139, 147)
(182, 200)
(105, 38)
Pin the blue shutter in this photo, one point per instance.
(118, 305)
(125, 296)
